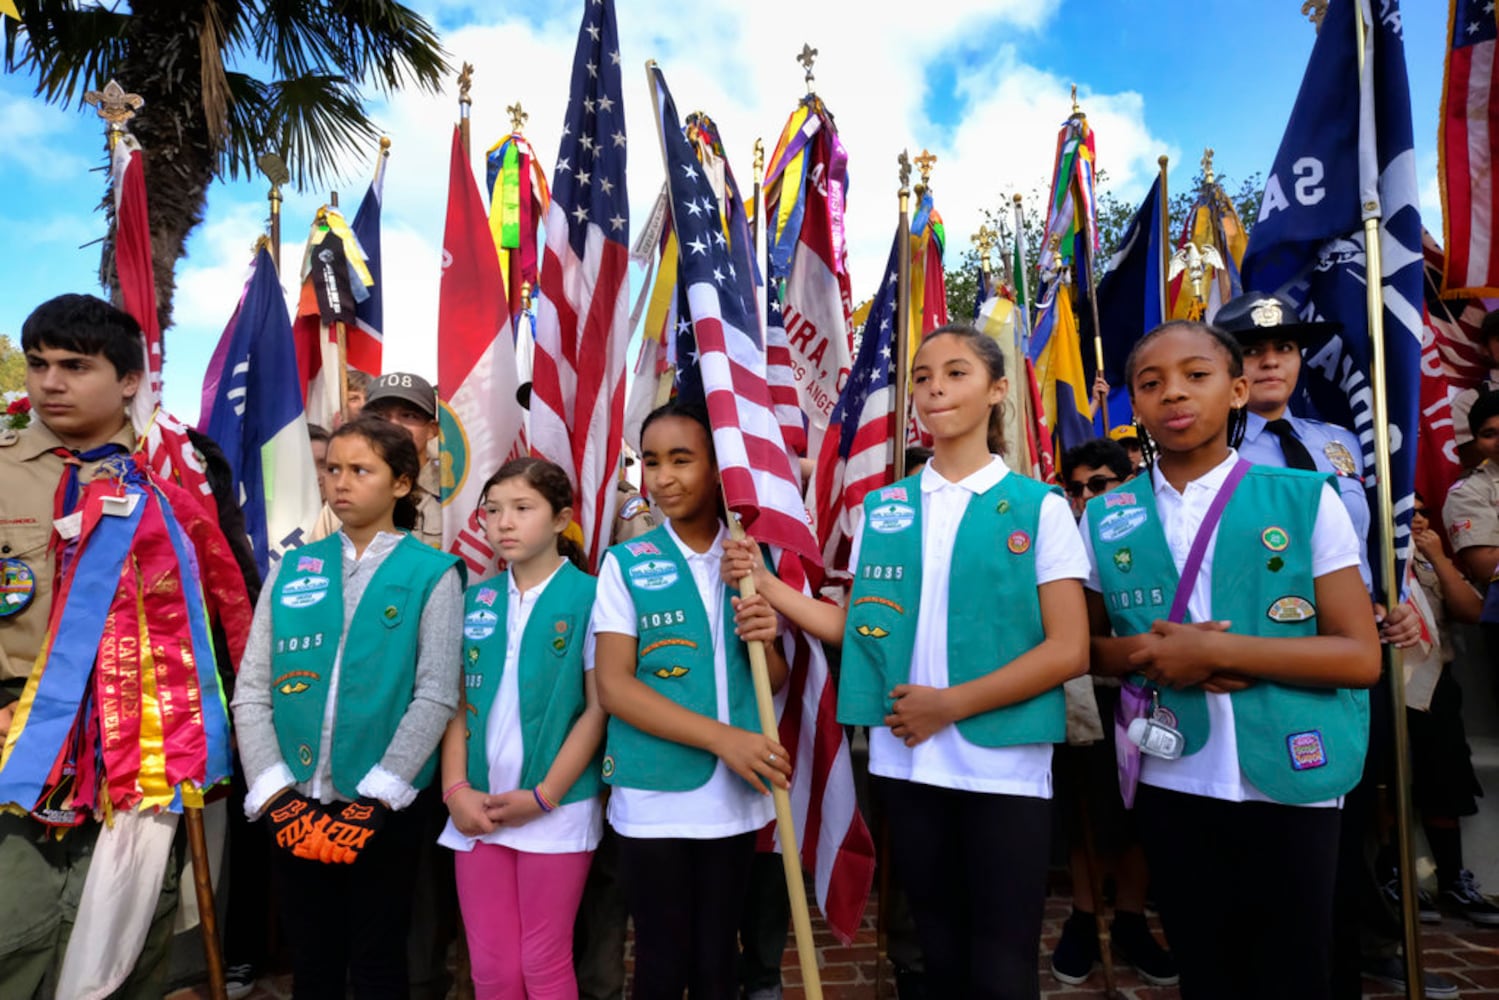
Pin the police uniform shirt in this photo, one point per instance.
(30, 473)
(1472, 508)
(947, 759)
(726, 805)
(1336, 451)
(1214, 770)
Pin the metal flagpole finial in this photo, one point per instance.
(1315, 11)
(759, 159)
(518, 116)
(905, 172)
(1207, 166)
(1017, 199)
(924, 164)
(385, 145)
(984, 241)
(465, 83)
(1076, 108)
(115, 106)
(807, 57)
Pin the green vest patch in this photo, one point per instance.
(993, 613)
(378, 668)
(1297, 745)
(674, 657)
(550, 678)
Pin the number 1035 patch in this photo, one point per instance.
(875, 571)
(1139, 597)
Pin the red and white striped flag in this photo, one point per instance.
(162, 435)
(583, 318)
(1469, 128)
(480, 417)
(760, 485)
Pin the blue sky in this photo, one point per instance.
(983, 83)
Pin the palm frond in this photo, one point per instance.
(317, 122)
(71, 49)
(249, 110)
(387, 42)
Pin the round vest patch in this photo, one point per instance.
(889, 518)
(480, 624)
(1019, 543)
(1275, 539)
(654, 574)
(304, 592)
(17, 587)
(1121, 523)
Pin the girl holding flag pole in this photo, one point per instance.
(964, 702)
(688, 767)
(1246, 726)
(343, 695)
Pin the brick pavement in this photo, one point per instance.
(1466, 954)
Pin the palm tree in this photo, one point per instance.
(225, 81)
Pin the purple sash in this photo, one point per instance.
(1135, 699)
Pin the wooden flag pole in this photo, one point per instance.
(1393, 665)
(796, 888)
(1165, 242)
(902, 318)
(117, 107)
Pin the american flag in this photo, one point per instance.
(583, 318)
(1469, 126)
(857, 454)
(721, 313)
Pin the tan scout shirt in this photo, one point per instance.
(29, 474)
(428, 528)
(1472, 509)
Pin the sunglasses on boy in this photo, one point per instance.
(1094, 485)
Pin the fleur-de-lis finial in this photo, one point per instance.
(1207, 165)
(114, 105)
(465, 83)
(1315, 11)
(924, 164)
(517, 115)
(807, 57)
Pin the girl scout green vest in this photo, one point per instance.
(379, 660)
(550, 678)
(674, 657)
(993, 614)
(1297, 745)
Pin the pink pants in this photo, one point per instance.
(518, 913)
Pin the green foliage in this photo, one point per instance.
(12, 366)
(1113, 219)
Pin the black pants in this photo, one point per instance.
(685, 897)
(350, 921)
(247, 920)
(1245, 891)
(763, 924)
(973, 866)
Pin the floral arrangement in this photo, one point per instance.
(17, 411)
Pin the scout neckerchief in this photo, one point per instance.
(1140, 701)
(123, 708)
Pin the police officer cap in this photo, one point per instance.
(406, 388)
(1256, 316)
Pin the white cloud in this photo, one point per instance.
(998, 136)
(32, 129)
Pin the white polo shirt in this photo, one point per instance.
(725, 805)
(947, 759)
(1214, 770)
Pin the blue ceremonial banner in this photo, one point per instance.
(259, 422)
(1129, 300)
(1349, 151)
(369, 312)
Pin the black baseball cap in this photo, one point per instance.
(1257, 315)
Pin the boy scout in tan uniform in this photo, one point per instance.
(1472, 507)
(83, 361)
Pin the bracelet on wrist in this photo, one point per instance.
(547, 805)
(454, 788)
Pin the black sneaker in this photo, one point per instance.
(1464, 898)
(1390, 971)
(910, 984)
(1077, 951)
(1426, 906)
(1137, 947)
(240, 981)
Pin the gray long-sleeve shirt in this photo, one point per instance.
(434, 694)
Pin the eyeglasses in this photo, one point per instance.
(1095, 485)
